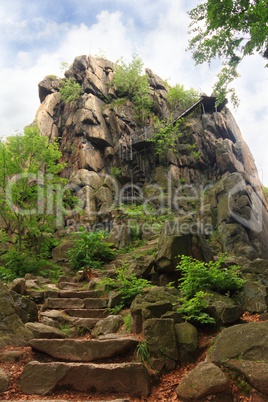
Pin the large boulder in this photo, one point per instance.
(25, 308)
(12, 330)
(243, 341)
(155, 303)
(206, 379)
(160, 336)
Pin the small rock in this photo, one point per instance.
(108, 325)
(44, 331)
(4, 381)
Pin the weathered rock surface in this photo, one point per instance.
(211, 165)
(25, 308)
(12, 330)
(108, 325)
(4, 381)
(84, 350)
(244, 341)
(256, 373)
(40, 330)
(42, 379)
(204, 380)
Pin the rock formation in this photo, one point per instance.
(209, 180)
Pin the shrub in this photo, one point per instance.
(130, 82)
(199, 277)
(180, 98)
(129, 286)
(15, 264)
(90, 250)
(70, 90)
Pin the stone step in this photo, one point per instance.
(81, 350)
(61, 318)
(87, 313)
(55, 303)
(80, 294)
(45, 378)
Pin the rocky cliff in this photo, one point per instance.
(208, 181)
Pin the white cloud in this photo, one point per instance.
(157, 31)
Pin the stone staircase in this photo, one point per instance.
(105, 365)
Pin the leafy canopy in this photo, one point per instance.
(230, 30)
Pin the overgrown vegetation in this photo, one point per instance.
(180, 98)
(31, 203)
(166, 136)
(198, 278)
(70, 90)
(90, 250)
(129, 286)
(130, 82)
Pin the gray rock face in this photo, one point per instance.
(244, 341)
(44, 378)
(84, 350)
(12, 330)
(26, 309)
(93, 132)
(204, 380)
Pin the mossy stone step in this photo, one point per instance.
(80, 294)
(56, 303)
(45, 378)
(87, 313)
(84, 350)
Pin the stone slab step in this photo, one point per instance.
(80, 294)
(61, 318)
(75, 350)
(44, 378)
(87, 313)
(55, 303)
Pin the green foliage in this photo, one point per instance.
(70, 90)
(90, 250)
(127, 323)
(166, 136)
(129, 285)
(115, 171)
(29, 201)
(229, 30)
(130, 82)
(143, 352)
(180, 98)
(197, 277)
(16, 264)
(193, 309)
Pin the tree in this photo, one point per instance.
(29, 187)
(230, 30)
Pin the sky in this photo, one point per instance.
(37, 36)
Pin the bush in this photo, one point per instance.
(90, 250)
(180, 98)
(199, 277)
(15, 264)
(130, 82)
(70, 90)
(129, 286)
